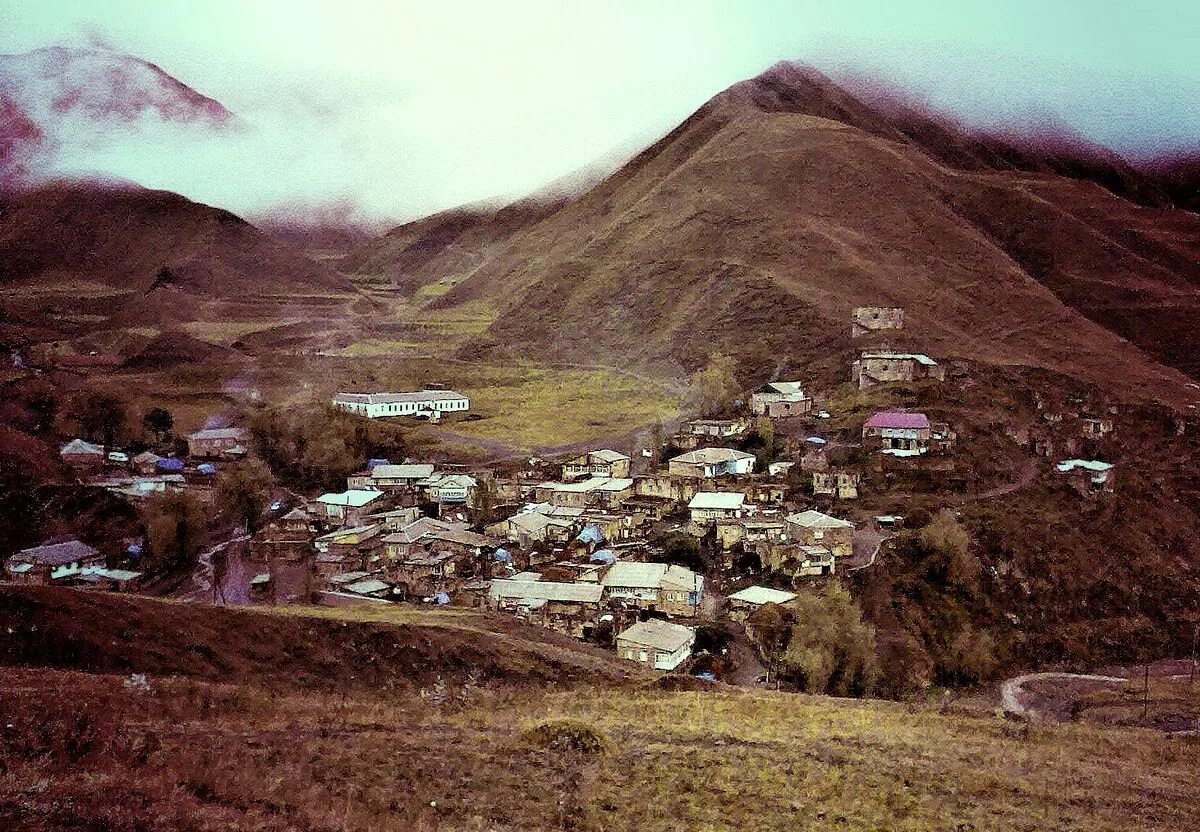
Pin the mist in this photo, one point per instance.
(380, 112)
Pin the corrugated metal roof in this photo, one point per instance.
(720, 500)
(762, 595)
(586, 593)
(813, 519)
(899, 419)
(709, 456)
(395, 398)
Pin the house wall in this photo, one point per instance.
(840, 540)
(867, 319)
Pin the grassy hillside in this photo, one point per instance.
(469, 752)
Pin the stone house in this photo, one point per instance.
(873, 368)
(607, 492)
(841, 485)
(388, 477)
(661, 645)
(898, 430)
(285, 538)
(674, 489)
(566, 607)
(707, 507)
(52, 562)
(798, 560)
(1091, 428)
(868, 319)
(707, 463)
(749, 531)
(696, 432)
(212, 442)
(669, 588)
(780, 399)
(814, 528)
(348, 508)
(603, 463)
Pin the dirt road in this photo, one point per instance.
(1011, 689)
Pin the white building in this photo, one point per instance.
(708, 506)
(780, 398)
(659, 644)
(670, 588)
(424, 403)
(711, 462)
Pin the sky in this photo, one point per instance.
(392, 110)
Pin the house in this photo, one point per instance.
(1087, 476)
(798, 560)
(602, 463)
(423, 403)
(386, 476)
(669, 588)
(707, 507)
(699, 432)
(841, 485)
(744, 602)
(212, 442)
(566, 607)
(780, 399)
(451, 489)
(80, 454)
(749, 531)
(898, 431)
(868, 319)
(348, 507)
(813, 528)
(349, 549)
(145, 463)
(51, 562)
(873, 368)
(423, 574)
(369, 587)
(661, 645)
(594, 491)
(395, 519)
(529, 527)
(285, 538)
(428, 535)
(672, 489)
(1096, 428)
(706, 463)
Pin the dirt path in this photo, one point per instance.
(749, 668)
(1011, 689)
(867, 543)
(202, 578)
(1024, 480)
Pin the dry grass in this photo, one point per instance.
(183, 754)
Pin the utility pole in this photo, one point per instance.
(1192, 673)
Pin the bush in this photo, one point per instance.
(566, 735)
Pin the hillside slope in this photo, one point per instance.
(760, 222)
(325, 724)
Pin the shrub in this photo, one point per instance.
(566, 735)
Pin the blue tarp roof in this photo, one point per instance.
(169, 464)
(441, 598)
(591, 534)
(502, 555)
(603, 556)
(371, 463)
(206, 468)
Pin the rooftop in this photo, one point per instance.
(395, 398)
(402, 472)
(708, 456)
(586, 593)
(813, 519)
(758, 595)
(652, 576)
(354, 498)
(57, 554)
(219, 433)
(898, 419)
(918, 357)
(661, 635)
(723, 500)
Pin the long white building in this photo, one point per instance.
(419, 403)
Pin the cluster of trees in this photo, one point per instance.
(318, 448)
(678, 548)
(103, 417)
(818, 642)
(716, 386)
(175, 532)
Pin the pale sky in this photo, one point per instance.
(407, 108)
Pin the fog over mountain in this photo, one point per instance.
(386, 113)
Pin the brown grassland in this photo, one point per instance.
(625, 750)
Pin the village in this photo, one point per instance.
(637, 549)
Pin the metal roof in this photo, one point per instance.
(57, 554)
(661, 635)
(724, 500)
(712, 455)
(585, 593)
(813, 519)
(402, 472)
(898, 419)
(394, 398)
(762, 595)
(354, 498)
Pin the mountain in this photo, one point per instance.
(60, 98)
(761, 221)
(158, 250)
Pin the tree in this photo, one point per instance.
(716, 385)
(158, 421)
(42, 402)
(828, 648)
(681, 549)
(482, 503)
(946, 547)
(175, 524)
(243, 492)
(100, 416)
